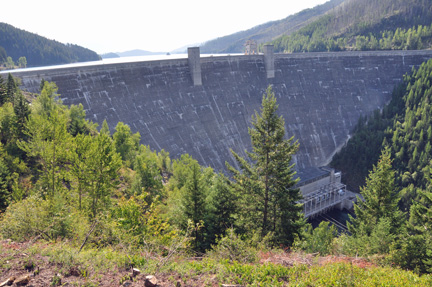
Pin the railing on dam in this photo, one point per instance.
(325, 198)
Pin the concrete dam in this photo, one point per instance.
(203, 105)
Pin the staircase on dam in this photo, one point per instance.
(203, 105)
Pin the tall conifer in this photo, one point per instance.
(380, 199)
(266, 182)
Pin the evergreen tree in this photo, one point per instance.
(22, 112)
(11, 88)
(105, 128)
(266, 184)
(42, 84)
(4, 179)
(222, 208)
(164, 164)
(194, 203)
(415, 250)
(3, 92)
(47, 101)
(7, 119)
(380, 200)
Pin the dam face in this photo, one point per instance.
(204, 108)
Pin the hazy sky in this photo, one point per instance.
(156, 25)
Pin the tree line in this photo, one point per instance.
(38, 51)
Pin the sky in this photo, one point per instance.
(156, 25)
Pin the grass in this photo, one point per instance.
(93, 263)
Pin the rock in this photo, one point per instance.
(127, 283)
(22, 281)
(8, 282)
(150, 281)
(135, 272)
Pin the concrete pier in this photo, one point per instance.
(269, 61)
(195, 65)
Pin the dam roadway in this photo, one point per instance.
(203, 105)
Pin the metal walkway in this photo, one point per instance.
(327, 197)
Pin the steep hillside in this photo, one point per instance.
(268, 31)
(40, 51)
(365, 25)
(406, 126)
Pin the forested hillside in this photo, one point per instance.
(403, 130)
(405, 126)
(39, 51)
(365, 25)
(268, 31)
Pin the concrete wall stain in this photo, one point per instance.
(320, 95)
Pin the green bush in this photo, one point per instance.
(319, 239)
(25, 219)
(233, 248)
(45, 219)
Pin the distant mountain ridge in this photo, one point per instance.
(131, 53)
(269, 31)
(138, 52)
(40, 51)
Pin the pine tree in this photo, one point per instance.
(194, 202)
(105, 128)
(222, 208)
(11, 88)
(266, 184)
(22, 112)
(415, 250)
(3, 92)
(4, 178)
(380, 199)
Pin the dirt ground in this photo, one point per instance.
(39, 271)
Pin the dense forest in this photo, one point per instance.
(365, 25)
(38, 51)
